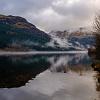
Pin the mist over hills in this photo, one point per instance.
(81, 38)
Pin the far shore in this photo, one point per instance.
(39, 52)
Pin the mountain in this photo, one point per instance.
(17, 33)
(82, 42)
(80, 39)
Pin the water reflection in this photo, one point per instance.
(98, 81)
(78, 63)
(96, 67)
(16, 71)
(48, 77)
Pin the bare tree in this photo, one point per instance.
(97, 33)
(97, 24)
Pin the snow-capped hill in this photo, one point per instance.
(56, 41)
(81, 39)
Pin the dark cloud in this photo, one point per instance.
(52, 14)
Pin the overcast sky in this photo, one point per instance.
(53, 14)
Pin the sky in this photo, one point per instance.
(51, 15)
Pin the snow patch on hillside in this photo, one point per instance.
(62, 39)
(58, 42)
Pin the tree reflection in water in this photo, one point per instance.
(96, 68)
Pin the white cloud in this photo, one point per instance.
(53, 14)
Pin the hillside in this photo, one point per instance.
(79, 40)
(17, 33)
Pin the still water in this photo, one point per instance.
(48, 77)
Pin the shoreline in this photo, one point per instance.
(2, 53)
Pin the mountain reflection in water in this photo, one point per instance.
(48, 77)
(16, 71)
